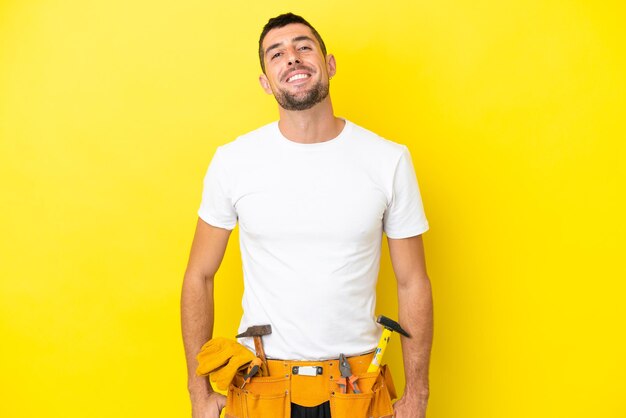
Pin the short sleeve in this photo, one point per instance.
(405, 215)
(216, 208)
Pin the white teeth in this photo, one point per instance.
(297, 77)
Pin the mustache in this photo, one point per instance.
(297, 68)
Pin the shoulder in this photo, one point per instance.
(248, 144)
(374, 144)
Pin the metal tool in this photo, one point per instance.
(347, 379)
(258, 331)
(389, 326)
(253, 369)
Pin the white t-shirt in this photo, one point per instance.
(311, 218)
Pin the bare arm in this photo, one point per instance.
(416, 316)
(196, 306)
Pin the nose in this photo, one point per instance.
(293, 57)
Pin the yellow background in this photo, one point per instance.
(110, 112)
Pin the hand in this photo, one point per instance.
(208, 407)
(409, 408)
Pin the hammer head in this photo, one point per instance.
(256, 331)
(391, 325)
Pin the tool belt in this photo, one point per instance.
(311, 383)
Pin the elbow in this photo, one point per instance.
(414, 282)
(196, 284)
(195, 277)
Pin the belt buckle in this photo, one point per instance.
(307, 370)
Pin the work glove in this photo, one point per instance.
(221, 358)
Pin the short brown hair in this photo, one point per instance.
(281, 21)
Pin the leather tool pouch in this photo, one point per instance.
(263, 397)
(271, 397)
(377, 392)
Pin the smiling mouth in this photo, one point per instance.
(297, 77)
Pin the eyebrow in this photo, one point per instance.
(296, 39)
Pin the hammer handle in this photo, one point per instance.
(260, 352)
(380, 351)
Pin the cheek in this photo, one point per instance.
(272, 82)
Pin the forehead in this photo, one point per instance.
(286, 34)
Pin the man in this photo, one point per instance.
(312, 194)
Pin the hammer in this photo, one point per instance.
(389, 326)
(257, 331)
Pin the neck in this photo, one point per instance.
(317, 124)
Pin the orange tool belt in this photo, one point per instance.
(311, 383)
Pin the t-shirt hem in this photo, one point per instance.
(333, 356)
(407, 234)
(214, 222)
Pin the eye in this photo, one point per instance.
(302, 48)
(276, 55)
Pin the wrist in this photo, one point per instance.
(417, 393)
(199, 388)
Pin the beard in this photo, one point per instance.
(302, 101)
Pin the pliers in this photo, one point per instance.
(347, 378)
(253, 369)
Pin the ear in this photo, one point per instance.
(265, 84)
(331, 65)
